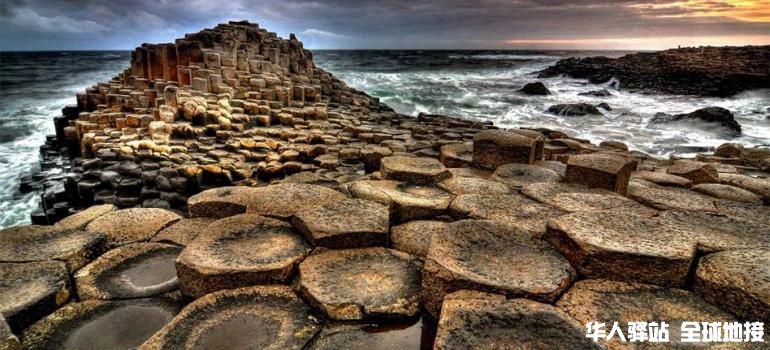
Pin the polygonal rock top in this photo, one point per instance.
(283, 200)
(349, 223)
(407, 202)
(38, 243)
(520, 175)
(221, 202)
(415, 170)
(357, 284)
(132, 225)
(738, 281)
(32, 290)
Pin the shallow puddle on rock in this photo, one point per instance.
(123, 328)
(239, 332)
(152, 271)
(402, 336)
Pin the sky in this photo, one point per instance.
(392, 24)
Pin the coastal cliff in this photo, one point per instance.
(225, 192)
(701, 71)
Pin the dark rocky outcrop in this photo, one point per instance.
(718, 115)
(536, 88)
(574, 109)
(596, 93)
(703, 71)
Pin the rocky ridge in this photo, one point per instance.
(244, 197)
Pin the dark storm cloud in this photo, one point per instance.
(101, 24)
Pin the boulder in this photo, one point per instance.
(573, 109)
(79, 220)
(718, 115)
(281, 201)
(361, 284)
(414, 170)
(98, 324)
(475, 320)
(493, 148)
(662, 179)
(697, 172)
(519, 175)
(575, 197)
(414, 237)
(456, 155)
(221, 202)
(609, 302)
(132, 271)
(760, 187)
(614, 145)
(738, 281)
(40, 243)
(132, 225)
(728, 192)
(183, 231)
(407, 202)
(511, 209)
(238, 251)
(350, 223)
(729, 150)
(596, 93)
(600, 171)
(492, 257)
(32, 290)
(536, 88)
(264, 317)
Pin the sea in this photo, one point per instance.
(479, 85)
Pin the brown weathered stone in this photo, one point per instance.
(668, 198)
(662, 179)
(371, 337)
(221, 202)
(600, 171)
(761, 187)
(608, 302)
(492, 257)
(264, 317)
(240, 251)
(456, 155)
(32, 290)
(414, 237)
(493, 148)
(474, 320)
(79, 220)
(39, 243)
(132, 225)
(407, 202)
(97, 324)
(132, 271)
(519, 175)
(697, 172)
(511, 209)
(358, 284)
(738, 281)
(464, 181)
(183, 231)
(349, 223)
(728, 192)
(414, 170)
(574, 197)
(8, 341)
(283, 200)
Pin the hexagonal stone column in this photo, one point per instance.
(414, 237)
(759, 186)
(468, 182)
(8, 341)
(669, 198)
(97, 324)
(511, 209)
(79, 220)
(414, 170)
(475, 320)
(697, 172)
(238, 251)
(609, 302)
(32, 290)
(221, 202)
(264, 317)
(132, 225)
(38, 243)
(132, 271)
(371, 337)
(281, 201)
(598, 170)
(651, 249)
(407, 202)
(350, 223)
(183, 231)
(576, 197)
(493, 148)
(728, 192)
(519, 175)
(457, 155)
(493, 257)
(358, 284)
(738, 281)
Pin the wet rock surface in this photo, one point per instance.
(475, 320)
(93, 324)
(32, 290)
(717, 115)
(132, 271)
(239, 251)
(266, 317)
(397, 336)
(359, 284)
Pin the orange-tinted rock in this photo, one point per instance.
(604, 171)
(349, 223)
(32, 290)
(221, 202)
(414, 170)
(697, 172)
(132, 225)
(282, 201)
(493, 148)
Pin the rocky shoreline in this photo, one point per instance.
(701, 71)
(234, 195)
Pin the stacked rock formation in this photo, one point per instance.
(251, 200)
